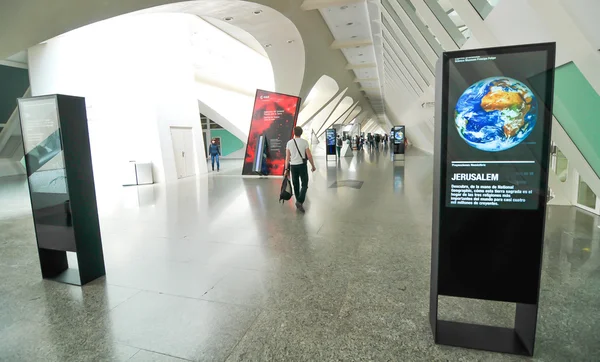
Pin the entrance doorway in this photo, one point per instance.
(183, 149)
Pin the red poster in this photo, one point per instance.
(273, 121)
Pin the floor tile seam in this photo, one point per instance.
(226, 274)
(156, 352)
(244, 335)
(138, 291)
(185, 297)
(147, 350)
(135, 354)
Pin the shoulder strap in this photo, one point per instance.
(300, 153)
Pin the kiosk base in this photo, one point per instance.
(519, 341)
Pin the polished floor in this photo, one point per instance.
(213, 268)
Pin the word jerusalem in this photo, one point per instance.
(475, 177)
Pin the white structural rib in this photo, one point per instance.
(342, 110)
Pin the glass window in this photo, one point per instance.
(410, 10)
(562, 166)
(396, 19)
(484, 7)
(404, 65)
(450, 20)
(585, 196)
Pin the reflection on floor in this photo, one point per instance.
(215, 269)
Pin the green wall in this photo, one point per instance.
(577, 109)
(229, 142)
(13, 84)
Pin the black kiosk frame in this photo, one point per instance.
(399, 134)
(58, 162)
(489, 246)
(330, 143)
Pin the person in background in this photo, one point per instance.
(338, 145)
(297, 155)
(214, 150)
(377, 141)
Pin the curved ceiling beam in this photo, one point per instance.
(320, 118)
(321, 93)
(339, 111)
(355, 112)
(342, 120)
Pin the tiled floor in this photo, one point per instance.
(215, 269)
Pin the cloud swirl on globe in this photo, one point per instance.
(496, 114)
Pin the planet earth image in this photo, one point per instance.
(400, 136)
(496, 114)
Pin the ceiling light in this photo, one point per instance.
(268, 45)
(256, 12)
(344, 7)
(348, 24)
(360, 55)
(290, 41)
(229, 18)
(354, 36)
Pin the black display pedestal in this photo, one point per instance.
(61, 185)
(492, 143)
(398, 135)
(330, 144)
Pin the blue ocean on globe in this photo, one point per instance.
(496, 114)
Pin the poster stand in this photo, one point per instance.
(273, 120)
(502, 179)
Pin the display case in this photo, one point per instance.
(61, 185)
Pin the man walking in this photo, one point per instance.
(338, 145)
(215, 151)
(297, 156)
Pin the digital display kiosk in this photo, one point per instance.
(398, 135)
(61, 187)
(492, 146)
(331, 136)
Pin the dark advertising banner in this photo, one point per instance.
(273, 121)
(331, 141)
(398, 137)
(495, 141)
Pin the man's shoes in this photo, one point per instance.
(300, 207)
(218, 170)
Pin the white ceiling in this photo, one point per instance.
(284, 47)
(350, 25)
(396, 66)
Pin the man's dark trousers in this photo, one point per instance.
(300, 173)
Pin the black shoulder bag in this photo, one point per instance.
(304, 159)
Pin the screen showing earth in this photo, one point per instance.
(495, 131)
(495, 114)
